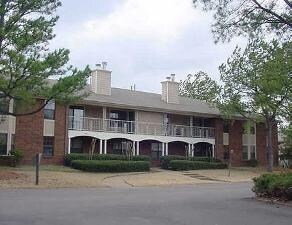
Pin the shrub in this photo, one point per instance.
(274, 185)
(252, 163)
(110, 165)
(17, 154)
(7, 160)
(140, 158)
(80, 156)
(165, 160)
(194, 165)
(204, 159)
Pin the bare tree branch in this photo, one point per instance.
(280, 18)
(288, 3)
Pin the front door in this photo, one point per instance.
(156, 151)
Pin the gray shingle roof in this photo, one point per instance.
(150, 101)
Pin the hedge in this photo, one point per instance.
(110, 165)
(7, 160)
(165, 160)
(194, 165)
(274, 186)
(252, 163)
(204, 159)
(80, 156)
(141, 158)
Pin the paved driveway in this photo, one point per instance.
(203, 204)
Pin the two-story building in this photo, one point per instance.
(111, 120)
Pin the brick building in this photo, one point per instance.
(112, 120)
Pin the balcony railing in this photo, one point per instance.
(143, 128)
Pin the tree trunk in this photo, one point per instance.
(270, 153)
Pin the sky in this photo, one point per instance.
(143, 41)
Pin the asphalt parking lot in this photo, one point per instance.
(202, 204)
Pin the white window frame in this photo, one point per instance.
(249, 145)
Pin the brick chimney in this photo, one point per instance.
(170, 90)
(101, 80)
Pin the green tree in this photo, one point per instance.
(249, 18)
(258, 84)
(200, 86)
(26, 28)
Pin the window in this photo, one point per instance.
(117, 148)
(3, 144)
(48, 146)
(76, 145)
(114, 116)
(248, 152)
(121, 147)
(4, 105)
(248, 139)
(252, 152)
(49, 111)
(245, 152)
(156, 151)
(76, 118)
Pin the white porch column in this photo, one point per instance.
(136, 122)
(69, 145)
(134, 148)
(191, 126)
(100, 146)
(9, 142)
(166, 148)
(213, 151)
(189, 150)
(193, 152)
(104, 118)
(163, 148)
(105, 146)
(138, 147)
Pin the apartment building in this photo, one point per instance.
(112, 120)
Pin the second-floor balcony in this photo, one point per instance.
(141, 128)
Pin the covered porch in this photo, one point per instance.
(155, 147)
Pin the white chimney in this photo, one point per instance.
(104, 64)
(101, 80)
(170, 90)
(172, 77)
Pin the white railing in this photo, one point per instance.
(132, 127)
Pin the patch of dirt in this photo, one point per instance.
(10, 175)
(275, 201)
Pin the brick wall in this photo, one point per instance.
(218, 123)
(235, 142)
(29, 134)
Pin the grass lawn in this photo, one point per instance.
(53, 176)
